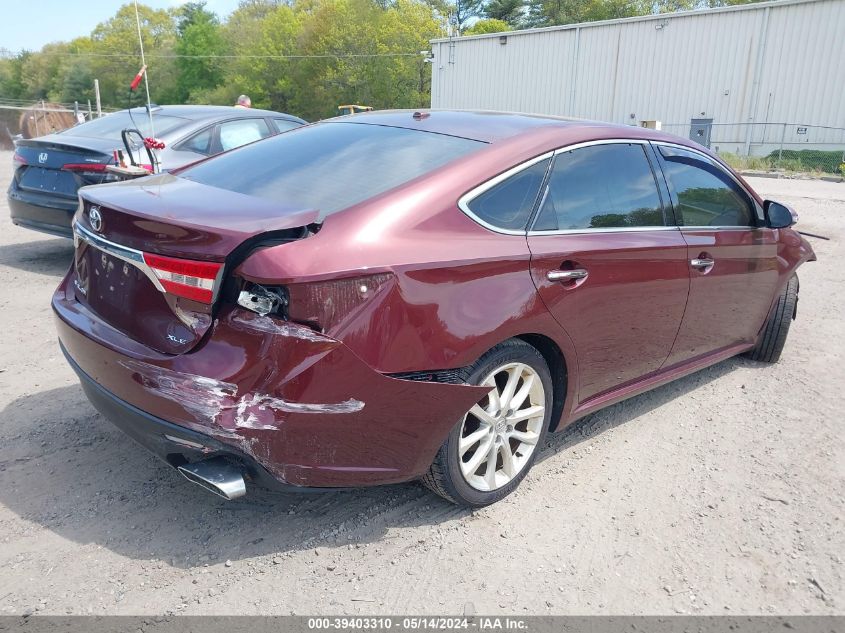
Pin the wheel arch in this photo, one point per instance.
(558, 368)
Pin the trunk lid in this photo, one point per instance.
(58, 166)
(151, 254)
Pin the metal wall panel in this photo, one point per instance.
(774, 62)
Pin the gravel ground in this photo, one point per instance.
(719, 493)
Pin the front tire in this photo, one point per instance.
(494, 445)
(773, 337)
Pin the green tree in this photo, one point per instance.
(551, 12)
(77, 81)
(248, 38)
(727, 3)
(510, 11)
(41, 72)
(465, 10)
(488, 25)
(118, 55)
(359, 52)
(11, 76)
(200, 43)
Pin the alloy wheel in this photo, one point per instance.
(500, 433)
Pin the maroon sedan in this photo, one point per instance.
(414, 295)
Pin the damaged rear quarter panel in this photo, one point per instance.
(456, 290)
(302, 404)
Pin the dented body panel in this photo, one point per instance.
(301, 404)
(301, 384)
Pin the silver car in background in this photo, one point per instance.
(50, 169)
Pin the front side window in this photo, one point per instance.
(706, 195)
(603, 186)
(236, 133)
(508, 204)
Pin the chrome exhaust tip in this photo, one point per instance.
(216, 475)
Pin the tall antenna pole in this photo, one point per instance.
(144, 64)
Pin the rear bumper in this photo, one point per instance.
(41, 212)
(172, 443)
(300, 405)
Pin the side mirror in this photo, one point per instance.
(778, 216)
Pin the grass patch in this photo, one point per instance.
(805, 160)
(808, 160)
(759, 163)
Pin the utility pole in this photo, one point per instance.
(97, 97)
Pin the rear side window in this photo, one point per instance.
(236, 133)
(706, 195)
(330, 166)
(199, 143)
(283, 125)
(601, 187)
(508, 204)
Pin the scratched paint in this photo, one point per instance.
(196, 321)
(282, 328)
(262, 402)
(213, 400)
(200, 395)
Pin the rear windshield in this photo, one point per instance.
(111, 125)
(330, 166)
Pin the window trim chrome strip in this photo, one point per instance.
(725, 227)
(619, 229)
(758, 210)
(123, 253)
(472, 194)
(603, 141)
(463, 201)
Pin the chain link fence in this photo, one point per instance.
(787, 147)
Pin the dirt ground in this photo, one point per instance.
(720, 493)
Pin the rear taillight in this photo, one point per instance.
(19, 159)
(326, 305)
(85, 167)
(184, 277)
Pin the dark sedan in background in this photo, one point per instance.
(50, 169)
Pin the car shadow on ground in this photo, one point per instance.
(65, 468)
(46, 257)
(627, 410)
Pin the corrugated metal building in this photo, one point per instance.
(746, 79)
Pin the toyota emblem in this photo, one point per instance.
(95, 218)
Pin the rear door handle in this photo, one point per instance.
(701, 263)
(566, 275)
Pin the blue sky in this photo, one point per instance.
(33, 23)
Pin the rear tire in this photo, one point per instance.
(509, 425)
(773, 337)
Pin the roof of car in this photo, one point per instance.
(203, 112)
(488, 126)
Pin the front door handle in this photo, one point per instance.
(701, 263)
(566, 275)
